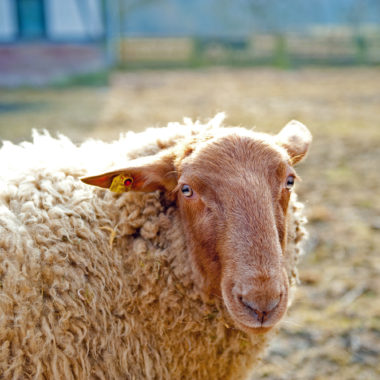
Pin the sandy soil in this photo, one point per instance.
(332, 330)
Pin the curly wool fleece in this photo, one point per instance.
(96, 285)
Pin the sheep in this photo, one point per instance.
(184, 271)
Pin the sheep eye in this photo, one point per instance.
(187, 191)
(289, 182)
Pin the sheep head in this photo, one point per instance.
(232, 188)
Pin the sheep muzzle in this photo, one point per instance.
(256, 303)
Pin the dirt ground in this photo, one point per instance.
(332, 331)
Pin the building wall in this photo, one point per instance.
(7, 20)
(67, 21)
(73, 19)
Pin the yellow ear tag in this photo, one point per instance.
(121, 183)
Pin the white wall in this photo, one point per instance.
(7, 20)
(65, 21)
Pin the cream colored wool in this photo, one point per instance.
(96, 285)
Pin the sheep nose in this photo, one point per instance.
(260, 311)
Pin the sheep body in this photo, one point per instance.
(99, 285)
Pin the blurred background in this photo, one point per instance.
(96, 68)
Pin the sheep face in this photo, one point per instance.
(232, 188)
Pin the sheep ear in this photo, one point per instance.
(296, 139)
(145, 174)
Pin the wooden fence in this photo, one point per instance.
(317, 47)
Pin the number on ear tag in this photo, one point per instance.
(121, 183)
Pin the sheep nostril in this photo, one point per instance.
(261, 314)
(248, 304)
(273, 304)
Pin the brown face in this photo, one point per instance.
(232, 188)
(234, 212)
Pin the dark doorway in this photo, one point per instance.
(31, 19)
